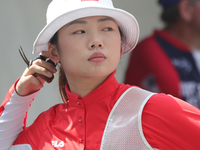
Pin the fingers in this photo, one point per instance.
(39, 72)
(42, 67)
(35, 75)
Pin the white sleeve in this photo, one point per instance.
(12, 118)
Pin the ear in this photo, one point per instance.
(186, 10)
(53, 53)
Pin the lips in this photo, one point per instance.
(97, 57)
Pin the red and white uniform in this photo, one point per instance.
(167, 123)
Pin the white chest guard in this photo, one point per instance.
(123, 130)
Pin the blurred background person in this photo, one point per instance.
(169, 60)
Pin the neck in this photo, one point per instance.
(84, 86)
(185, 33)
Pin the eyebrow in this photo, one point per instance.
(85, 22)
(105, 19)
(77, 22)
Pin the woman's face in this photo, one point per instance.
(89, 47)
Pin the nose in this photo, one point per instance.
(95, 42)
(96, 46)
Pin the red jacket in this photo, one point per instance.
(168, 123)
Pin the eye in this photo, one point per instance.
(107, 29)
(79, 32)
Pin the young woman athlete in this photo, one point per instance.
(88, 38)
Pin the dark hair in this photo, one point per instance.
(171, 13)
(62, 80)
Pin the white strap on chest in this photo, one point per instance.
(124, 127)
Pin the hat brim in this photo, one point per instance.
(126, 22)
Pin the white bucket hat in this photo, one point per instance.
(61, 12)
